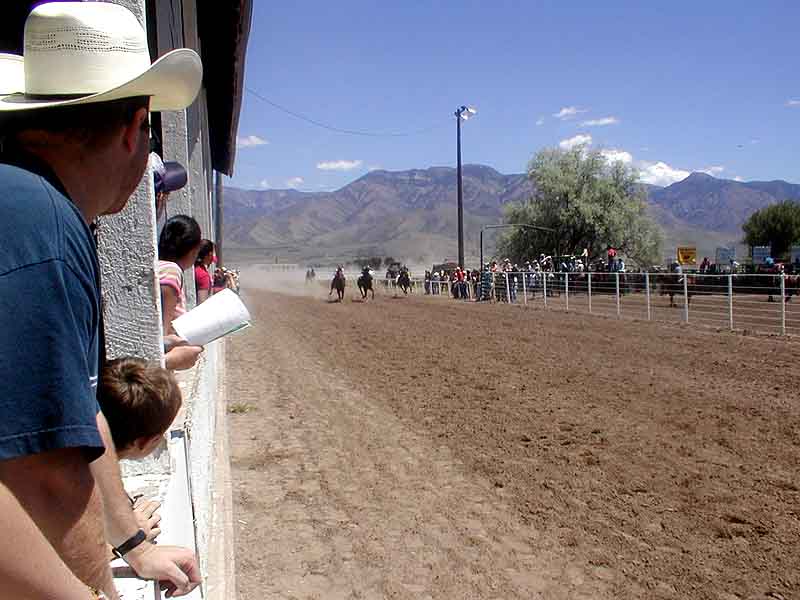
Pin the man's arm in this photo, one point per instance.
(176, 566)
(38, 572)
(59, 493)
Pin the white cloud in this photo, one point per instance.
(540, 121)
(655, 173)
(793, 103)
(294, 182)
(339, 165)
(755, 141)
(660, 173)
(249, 141)
(713, 171)
(738, 178)
(263, 184)
(613, 155)
(600, 122)
(568, 112)
(579, 140)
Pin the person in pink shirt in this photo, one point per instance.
(178, 246)
(202, 278)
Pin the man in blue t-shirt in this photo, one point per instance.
(74, 143)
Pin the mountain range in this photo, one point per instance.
(412, 216)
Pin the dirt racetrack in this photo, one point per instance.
(419, 448)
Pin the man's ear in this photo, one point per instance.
(137, 127)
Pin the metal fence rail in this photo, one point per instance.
(761, 303)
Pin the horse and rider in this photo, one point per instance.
(338, 283)
(365, 283)
(404, 280)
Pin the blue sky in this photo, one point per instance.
(669, 87)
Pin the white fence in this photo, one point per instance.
(730, 301)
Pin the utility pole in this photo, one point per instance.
(460, 194)
(463, 113)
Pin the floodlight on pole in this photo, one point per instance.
(463, 113)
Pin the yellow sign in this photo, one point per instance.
(687, 255)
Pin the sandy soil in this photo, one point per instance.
(418, 448)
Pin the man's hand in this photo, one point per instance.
(181, 358)
(147, 517)
(176, 568)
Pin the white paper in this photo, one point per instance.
(221, 314)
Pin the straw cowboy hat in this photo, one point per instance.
(87, 52)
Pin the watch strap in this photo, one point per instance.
(132, 542)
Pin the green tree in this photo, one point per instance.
(388, 261)
(777, 226)
(589, 202)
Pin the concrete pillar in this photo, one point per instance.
(169, 33)
(127, 249)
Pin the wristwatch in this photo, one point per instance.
(129, 544)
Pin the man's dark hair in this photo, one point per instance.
(180, 236)
(87, 124)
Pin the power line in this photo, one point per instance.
(339, 129)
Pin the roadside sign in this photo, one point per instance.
(760, 254)
(725, 255)
(687, 255)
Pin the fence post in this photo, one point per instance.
(566, 288)
(544, 287)
(647, 293)
(525, 288)
(685, 298)
(589, 280)
(617, 292)
(730, 299)
(508, 290)
(783, 303)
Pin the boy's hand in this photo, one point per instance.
(147, 517)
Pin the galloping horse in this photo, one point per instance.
(365, 283)
(338, 284)
(404, 281)
(671, 284)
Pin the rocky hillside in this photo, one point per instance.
(412, 214)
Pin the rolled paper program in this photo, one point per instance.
(220, 315)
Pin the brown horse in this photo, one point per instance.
(404, 282)
(671, 284)
(365, 284)
(338, 284)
